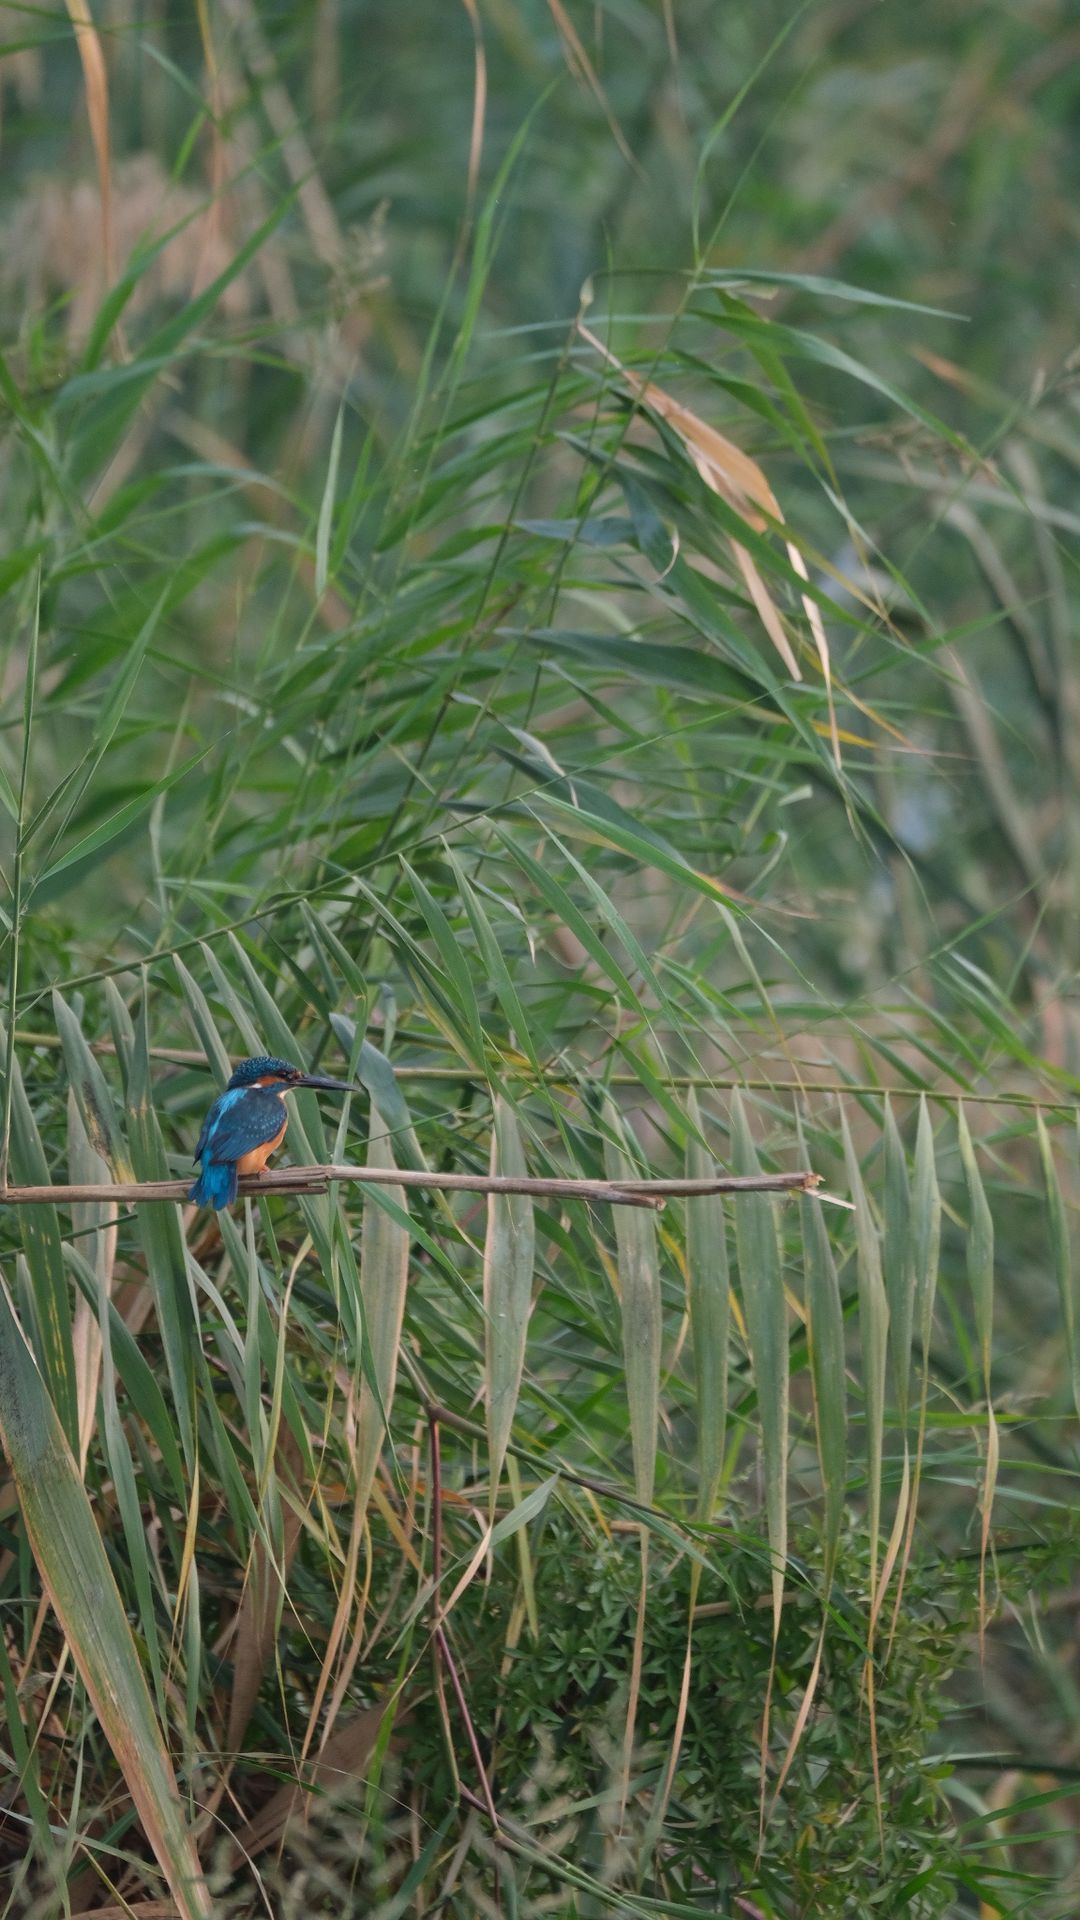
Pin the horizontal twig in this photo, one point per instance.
(625, 1193)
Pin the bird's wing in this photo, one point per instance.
(242, 1119)
(200, 1144)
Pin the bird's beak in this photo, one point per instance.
(324, 1085)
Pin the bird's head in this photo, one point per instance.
(267, 1071)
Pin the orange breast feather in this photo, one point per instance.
(255, 1161)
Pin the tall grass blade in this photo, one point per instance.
(325, 524)
(217, 1054)
(709, 1305)
(639, 1303)
(925, 1253)
(509, 1259)
(383, 1279)
(709, 1300)
(384, 1274)
(91, 1091)
(757, 1245)
(43, 1246)
(926, 1231)
(980, 1266)
(91, 846)
(874, 1334)
(980, 1237)
(376, 1074)
(258, 1618)
(898, 1262)
(94, 1227)
(825, 1339)
(76, 1574)
(162, 1240)
(1061, 1255)
(105, 725)
(638, 1262)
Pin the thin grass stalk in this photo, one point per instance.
(926, 1229)
(980, 1266)
(29, 687)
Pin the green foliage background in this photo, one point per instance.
(382, 685)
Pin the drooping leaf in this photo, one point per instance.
(91, 1090)
(384, 1274)
(874, 1335)
(980, 1240)
(326, 509)
(43, 1247)
(825, 1338)
(509, 1259)
(980, 1266)
(709, 1300)
(639, 1303)
(898, 1264)
(757, 1245)
(1061, 1255)
(926, 1227)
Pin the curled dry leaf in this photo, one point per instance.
(741, 483)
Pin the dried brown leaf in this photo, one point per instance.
(767, 608)
(476, 132)
(741, 483)
(581, 66)
(96, 82)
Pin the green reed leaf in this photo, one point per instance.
(638, 1263)
(509, 1260)
(757, 1245)
(709, 1302)
(75, 1571)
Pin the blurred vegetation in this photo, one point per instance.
(538, 555)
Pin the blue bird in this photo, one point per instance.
(247, 1123)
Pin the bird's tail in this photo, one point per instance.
(216, 1184)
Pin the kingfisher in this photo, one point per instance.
(247, 1123)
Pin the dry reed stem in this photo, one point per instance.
(315, 204)
(95, 80)
(316, 1179)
